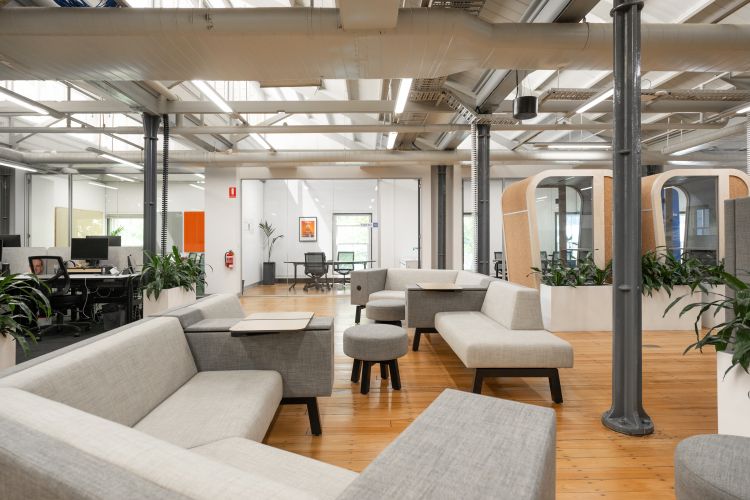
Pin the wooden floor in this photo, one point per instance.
(592, 462)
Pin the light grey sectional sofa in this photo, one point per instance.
(712, 467)
(392, 283)
(497, 331)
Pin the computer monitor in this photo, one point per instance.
(114, 241)
(11, 240)
(91, 250)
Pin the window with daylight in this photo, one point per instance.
(353, 233)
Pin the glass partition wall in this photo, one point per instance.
(373, 222)
(690, 209)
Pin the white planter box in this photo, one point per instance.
(168, 299)
(7, 351)
(733, 394)
(707, 318)
(576, 309)
(654, 306)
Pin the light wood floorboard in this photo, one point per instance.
(592, 462)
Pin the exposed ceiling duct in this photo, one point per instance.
(302, 44)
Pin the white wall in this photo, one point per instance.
(47, 192)
(398, 221)
(252, 237)
(18, 205)
(223, 222)
(128, 199)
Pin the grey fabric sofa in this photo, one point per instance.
(712, 467)
(392, 283)
(497, 331)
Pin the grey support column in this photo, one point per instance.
(627, 414)
(150, 130)
(480, 187)
(441, 215)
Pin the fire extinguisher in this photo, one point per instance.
(229, 259)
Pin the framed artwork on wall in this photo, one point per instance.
(308, 229)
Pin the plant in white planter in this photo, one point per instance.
(583, 288)
(22, 301)
(269, 267)
(731, 339)
(169, 281)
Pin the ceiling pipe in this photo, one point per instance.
(226, 44)
(698, 139)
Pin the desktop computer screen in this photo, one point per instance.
(114, 241)
(89, 249)
(11, 240)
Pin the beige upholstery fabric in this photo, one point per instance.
(480, 342)
(387, 295)
(471, 280)
(320, 479)
(400, 279)
(164, 464)
(121, 378)
(514, 306)
(221, 305)
(217, 405)
(386, 310)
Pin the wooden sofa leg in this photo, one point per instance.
(358, 314)
(554, 387)
(478, 379)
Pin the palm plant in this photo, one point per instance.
(22, 300)
(268, 231)
(170, 271)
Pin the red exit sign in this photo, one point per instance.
(233, 191)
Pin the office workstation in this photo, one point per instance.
(336, 249)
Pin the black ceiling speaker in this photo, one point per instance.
(525, 107)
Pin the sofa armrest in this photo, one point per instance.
(304, 359)
(364, 282)
(466, 446)
(423, 305)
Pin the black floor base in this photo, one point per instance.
(312, 412)
(550, 373)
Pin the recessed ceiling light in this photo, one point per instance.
(200, 175)
(392, 139)
(36, 109)
(97, 184)
(596, 100)
(214, 96)
(17, 166)
(196, 186)
(403, 95)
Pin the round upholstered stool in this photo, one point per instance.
(375, 343)
(388, 311)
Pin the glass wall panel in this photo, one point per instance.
(48, 211)
(690, 208)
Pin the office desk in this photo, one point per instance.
(330, 265)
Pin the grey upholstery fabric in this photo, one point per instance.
(466, 446)
(303, 359)
(401, 279)
(320, 479)
(212, 325)
(36, 466)
(188, 316)
(514, 306)
(386, 310)
(364, 282)
(712, 467)
(216, 405)
(121, 377)
(469, 279)
(387, 295)
(375, 342)
(218, 306)
(423, 305)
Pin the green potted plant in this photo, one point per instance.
(269, 267)
(22, 301)
(169, 281)
(731, 339)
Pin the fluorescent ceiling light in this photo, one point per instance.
(209, 92)
(587, 188)
(263, 142)
(596, 100)
(114, 158)
(121, 178)
(196, 186)
(97, 184)
(17, 166)
(744, 110)
(583, 145)
(691, 149)
(542, 198)
(23, 103)
(200, 175)
(403, 94)
(392, 139)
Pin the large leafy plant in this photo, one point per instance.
(583, 273)
(268, 231)
(170, 271)
(22, 300)
(733, 335)
(662, 270)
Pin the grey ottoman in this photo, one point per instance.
(388, 311)
(712, 467)
(375, 343)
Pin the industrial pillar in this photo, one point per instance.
(150, 130)
(441, 215)
(627, 415)
(480, 188)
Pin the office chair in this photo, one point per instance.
(316, 268)
(51, 270)
(344, 269)
(545, 259)
(498, 265)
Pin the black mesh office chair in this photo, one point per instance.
(316, 268)
(52, 271)
(544, 258)
(344, 269)
(499, 272)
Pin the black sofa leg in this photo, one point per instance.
(417, 336)
(555, 388)
(551, 374)
(384, 370)
(312, 412)
(478, 380)
(366, 369)
(395, 375)
(358, 314)
(356, 370)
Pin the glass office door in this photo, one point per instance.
(353, 233)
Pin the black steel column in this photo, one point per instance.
(441, 213)
(627, 414)
(150, 130)
(480, 179)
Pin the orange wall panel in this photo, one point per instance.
(194, 232)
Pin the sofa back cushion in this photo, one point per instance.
(514, 306)
(401, 279)
(121, 377)
(473, 280)
(218, 306)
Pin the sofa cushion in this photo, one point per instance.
(480, 342)
(322, 480)
(217, 405)
(514, 306)
(468, 279)
(712, 467)
(121, 377)
(401, 279)
(221, 305)
(388, 295)
(163, 464)
(212, 325)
